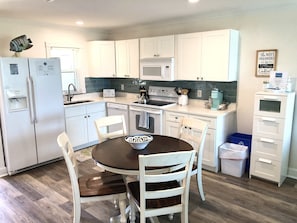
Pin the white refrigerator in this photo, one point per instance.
(32, 111)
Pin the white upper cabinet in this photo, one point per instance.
(208, 56)
(101, 58)
(189, 56)
(127, 58)
(157, 47)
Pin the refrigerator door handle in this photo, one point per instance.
(32, 107)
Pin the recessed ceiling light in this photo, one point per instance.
(79, 22)
(49, 1)
(193, 1)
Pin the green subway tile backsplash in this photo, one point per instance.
(132, 86)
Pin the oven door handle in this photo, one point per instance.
(150, 112)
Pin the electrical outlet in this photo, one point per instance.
(122, 87)
(199, 93)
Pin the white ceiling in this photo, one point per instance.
(110, 14)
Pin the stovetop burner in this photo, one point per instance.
(156, 103)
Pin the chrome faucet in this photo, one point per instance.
(70, 96)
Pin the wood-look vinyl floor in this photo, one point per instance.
(43, 195)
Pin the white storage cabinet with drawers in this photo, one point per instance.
(272, 128)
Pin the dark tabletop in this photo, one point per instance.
(117, 153)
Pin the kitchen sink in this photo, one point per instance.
(76, 102)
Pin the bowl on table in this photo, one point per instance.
(139, 142)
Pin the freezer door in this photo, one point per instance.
(49, 106)
(16, 123)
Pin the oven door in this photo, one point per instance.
(154, 120)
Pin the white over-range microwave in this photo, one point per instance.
(158, 69)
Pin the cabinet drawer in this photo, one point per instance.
(75, 111)
(265, 168)
(268, 127)
(95, 107)
(175, 117)
(267, 147)
(210, 121)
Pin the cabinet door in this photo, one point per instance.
(162, 46)
(189, 56)
(148, 47)
(209, 153)
(219, 55)
(127, 58)
(121, 58)
(172, 129)
(165, 46)
(76, 128)
(92, 132)
(133, 63)
(101, 58)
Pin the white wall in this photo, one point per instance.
(41, 34)
(265, 29)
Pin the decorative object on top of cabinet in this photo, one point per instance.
(208, 56)
(272, 129)
(127, 58)
(265, 62)
(157, 47)
(101, 59)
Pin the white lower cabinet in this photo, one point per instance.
(219, 128)
(80, 123)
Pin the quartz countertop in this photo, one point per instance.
(195, 106)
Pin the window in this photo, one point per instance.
(68, 57)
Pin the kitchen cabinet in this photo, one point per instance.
(157, 47)
(101, 61)
(218, 130)
(127, 58)
(80, 123)
(208, 56)
(272, 129)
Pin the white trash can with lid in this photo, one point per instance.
(233, 158)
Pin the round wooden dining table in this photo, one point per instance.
(116, 155)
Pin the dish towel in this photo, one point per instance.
(144, 120)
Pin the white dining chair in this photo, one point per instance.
(158, 192)
(194, 132)
(104, 124)
(100, 186)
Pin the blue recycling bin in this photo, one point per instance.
(242, 139)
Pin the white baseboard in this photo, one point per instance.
(3, 172)
(292, 173)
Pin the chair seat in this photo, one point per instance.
(102, 183)
(155, 203)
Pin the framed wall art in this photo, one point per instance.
(266, 62)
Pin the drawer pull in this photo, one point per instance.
(267, 140)
(268, 119)
(265, 161)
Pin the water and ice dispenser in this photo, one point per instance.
(17, 100)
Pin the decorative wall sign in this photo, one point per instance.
(266, 62)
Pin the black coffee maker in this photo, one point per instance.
(143, 95)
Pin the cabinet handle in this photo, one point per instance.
(85, 116)
(268, 119)
(266, 140)
(265, 161)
